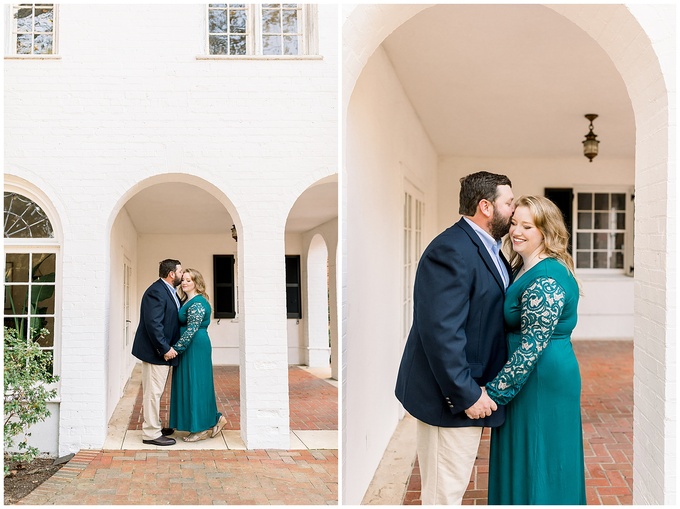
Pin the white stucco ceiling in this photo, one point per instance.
(509, 81)
(177, 208)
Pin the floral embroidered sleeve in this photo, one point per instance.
(195, 315)
(542, 305)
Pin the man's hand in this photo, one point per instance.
(484, 407)
(170, 354)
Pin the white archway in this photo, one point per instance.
(643, 58)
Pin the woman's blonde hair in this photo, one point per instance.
(198, 280)
(550, 222)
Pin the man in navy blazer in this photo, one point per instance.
(457, 341)
(158, 330)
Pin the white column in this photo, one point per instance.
(265, 422)
(318, 348)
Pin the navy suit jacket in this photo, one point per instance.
(158, 326)
(457, 340)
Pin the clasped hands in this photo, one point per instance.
(484, 406)
(170, 354)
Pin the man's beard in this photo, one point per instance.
(177, 281)
(499, 226)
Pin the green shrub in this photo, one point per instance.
(28, 371)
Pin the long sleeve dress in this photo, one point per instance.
(193, 406)
(536, 456)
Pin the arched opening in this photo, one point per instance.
(170, 216)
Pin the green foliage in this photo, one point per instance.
(28, 370)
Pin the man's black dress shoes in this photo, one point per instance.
(161, 440)
(167, 431)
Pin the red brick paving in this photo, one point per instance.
(313, 401)
(607, 410)
(231, 477)
(193, 477)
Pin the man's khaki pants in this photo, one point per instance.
(154, 377)
(446, 457)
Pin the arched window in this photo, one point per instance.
(30, 271)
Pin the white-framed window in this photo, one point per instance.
(31, 296)
(603, 230)
(266, 30)
(32, 30)
(414, 212)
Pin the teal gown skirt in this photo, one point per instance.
(193, 406)
(536, 457)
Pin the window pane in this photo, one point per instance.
(600, 260)
(219, 45)
(601, 201)
(43, 267)
(616, 260)
(16, 299)
(24, 20)
(290, 45)
(237, 45)
(24, 218)
(24, 44)
(44, 20)
(218, 21)
(271, 45)
(237, 22)
(600, 241)
(43, 323)
(585, 201)
(16, 267)
(585, 220)
(618, 241)
(16, 324)
(621, 221)
(42, 44)
(290, 21)
(601, 220)
(271, 21)
(582, 260)
(619, 201)
(584, 240)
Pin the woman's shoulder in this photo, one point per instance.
(556, 270)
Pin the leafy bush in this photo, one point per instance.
(28, 371)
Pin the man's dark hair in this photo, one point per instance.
(477, 187)
(167, 266)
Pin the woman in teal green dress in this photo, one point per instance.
(193, 406)
(536, 456)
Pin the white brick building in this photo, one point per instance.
(434, 92)
(139, 140)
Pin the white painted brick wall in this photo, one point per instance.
(128, 100)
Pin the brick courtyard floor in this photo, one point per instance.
(222, 477)
(607, 410)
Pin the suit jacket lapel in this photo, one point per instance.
(483, 253)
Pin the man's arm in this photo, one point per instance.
(154, 313)
(443, 287)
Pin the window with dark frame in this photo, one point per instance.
(224, 294)
(293, 292)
